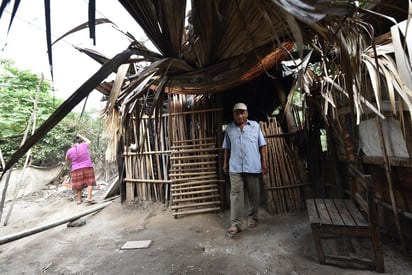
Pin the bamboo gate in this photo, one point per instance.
(179, 165)
(194, 165)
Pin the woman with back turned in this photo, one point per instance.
(82, 171)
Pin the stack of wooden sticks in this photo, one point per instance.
(281, 183)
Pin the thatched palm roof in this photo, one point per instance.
(229, 41)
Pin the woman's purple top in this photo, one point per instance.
(79, 156)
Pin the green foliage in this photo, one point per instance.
(17, 93)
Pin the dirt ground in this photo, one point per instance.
(193, 244)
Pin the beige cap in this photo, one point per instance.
(239, 106)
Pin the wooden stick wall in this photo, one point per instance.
(281, 183)
(146, 168)
(177, 164)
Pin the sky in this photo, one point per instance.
(26, 42)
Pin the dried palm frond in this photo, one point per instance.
(162, 21)
(387, 72)
(229, 39)
(82, 27)
(361, 68)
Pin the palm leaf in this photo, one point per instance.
(3, 6)
(48, 35)
(100, 58)
(92, 20)
(84, 26)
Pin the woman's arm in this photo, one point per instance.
(85, 139)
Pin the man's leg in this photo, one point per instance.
(236, 199)
(253, 194)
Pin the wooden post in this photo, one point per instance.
(41, 228)
(389, 179)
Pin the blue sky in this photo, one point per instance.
(26, 42)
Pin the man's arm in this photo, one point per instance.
(226, 161)
(263, 158)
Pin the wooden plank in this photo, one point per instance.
(187, 205)
(188, 146)
(194, 181)
(352, 260)
(193, 157)
(312, 211)
(362, 203)
(352, 231)
(287, 186)
(197, 140)
(176, 172)
(323, 212)
(174, 165)
(194, 150)
(196, 192)
(201, 182)
(345, 214)
(356, 214)
(196, 198)
(146, 153)
(333, 212)
(180, 189)
(203, 210)
(192, 174)
(318, 243)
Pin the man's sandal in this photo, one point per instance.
(251, 222)
(232, 231)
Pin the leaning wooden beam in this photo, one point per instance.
(389, 179)
(41, 228)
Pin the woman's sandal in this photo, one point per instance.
(232, 231)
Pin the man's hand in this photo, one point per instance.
(264, 167)
(225, 169)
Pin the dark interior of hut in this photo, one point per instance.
(261, 95)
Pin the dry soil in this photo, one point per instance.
(193, 244)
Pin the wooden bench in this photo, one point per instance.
(341, 217)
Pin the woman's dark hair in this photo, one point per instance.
(77, 140)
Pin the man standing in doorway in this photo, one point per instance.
(244, 160)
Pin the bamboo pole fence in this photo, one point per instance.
(282, 186)
(146, 168)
